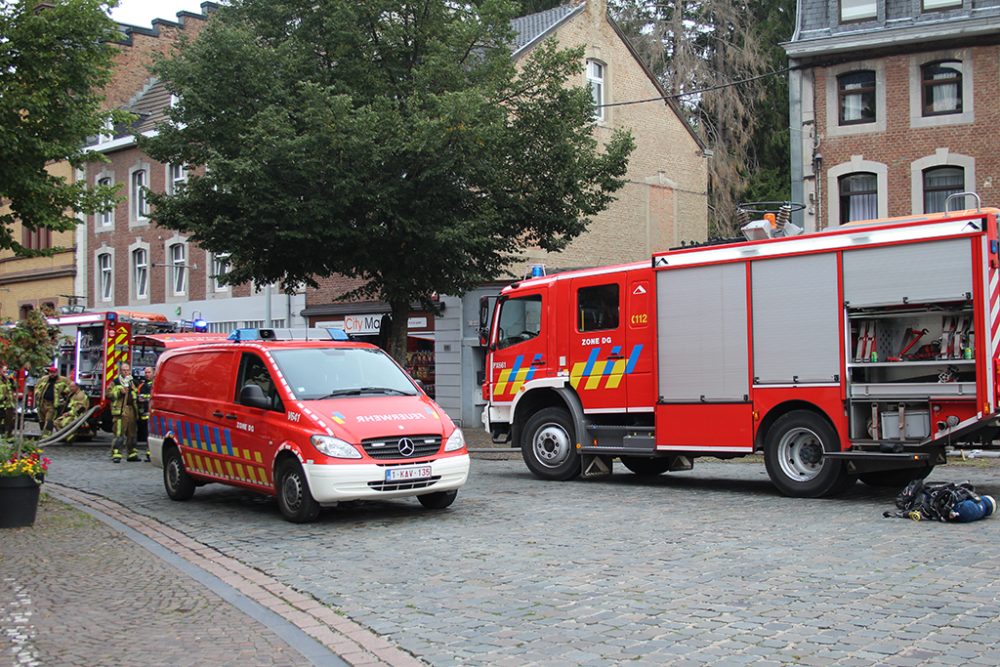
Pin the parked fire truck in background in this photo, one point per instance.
(860, 351)
(97, 342)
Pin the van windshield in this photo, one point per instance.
(316, 373)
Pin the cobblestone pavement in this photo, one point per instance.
(703, 567)
(76, 592)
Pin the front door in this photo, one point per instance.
(598, 357)
(521, 352)
(255, 429)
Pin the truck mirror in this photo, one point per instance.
(484, 320)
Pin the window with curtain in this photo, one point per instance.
(858, 197)
(595, 78)
(140, 273)
(178, 268)
(939, 182)
(942, 87)
(932, 5)
(857, 97)
(105, 285)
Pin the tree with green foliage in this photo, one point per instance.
(54, 59)
(395, 142)
(30, 345)
(700, 50)
(769, 175)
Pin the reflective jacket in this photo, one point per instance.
(122, 396)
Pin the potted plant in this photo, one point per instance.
(22, 471)
(29, 344)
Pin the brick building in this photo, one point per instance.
(663, 203)
(891, 106)
(124, 259)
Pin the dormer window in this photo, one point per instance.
(858, 10)
(933, 5)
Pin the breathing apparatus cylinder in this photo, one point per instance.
(973, 509)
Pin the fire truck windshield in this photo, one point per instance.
(315, 373)
(520, 320)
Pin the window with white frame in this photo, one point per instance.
(858, 197)
(941, 83)
(932, 5)
(105, 279)
(595, 79)
(939, 182)
(140, 209)
(105, 218)
(220, 267)
(140, 273)
(858, 10)
(177, 175)
(178, 269)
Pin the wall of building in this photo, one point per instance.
(35, 281)
(907, 142)
(664, 201)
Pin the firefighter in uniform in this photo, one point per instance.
(8, 401)
(50, 392)
(77, 404)
(145, 391)
(124, 411)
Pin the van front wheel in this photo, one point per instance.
(294, 497)
(176, 481)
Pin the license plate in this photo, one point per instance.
(401, 474)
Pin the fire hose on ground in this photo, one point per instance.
(67, 430)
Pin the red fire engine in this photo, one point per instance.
(860, 351)
(96, 344)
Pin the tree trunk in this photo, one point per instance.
(397, 336)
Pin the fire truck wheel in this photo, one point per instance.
(895, 478)
(647, 467)
(438, 500)
(294, 497)
(793, 455)
(176, 481)
(548, 445)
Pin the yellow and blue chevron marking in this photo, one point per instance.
(212, 440)
(338, 418)
(611, 370)
(515, 376)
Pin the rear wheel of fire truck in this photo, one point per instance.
(438, 500)
(793, 455)
(548, 445)
(647, 467)
(294, 497)
(176, 481)
(895, 478)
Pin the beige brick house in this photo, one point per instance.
(663, 203)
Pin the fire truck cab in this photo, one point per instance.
(860, 351)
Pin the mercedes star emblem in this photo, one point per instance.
(406, 447)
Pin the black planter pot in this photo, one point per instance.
(18, 501)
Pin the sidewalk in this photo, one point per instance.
(92, 583)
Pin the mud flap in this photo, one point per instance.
(596, 466)
(681, 463)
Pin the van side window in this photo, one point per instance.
(253, 371)
(597, 308)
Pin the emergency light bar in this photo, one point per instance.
(288, 334)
